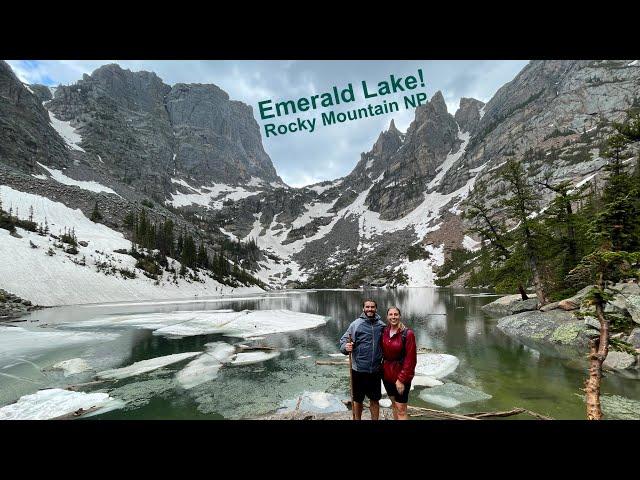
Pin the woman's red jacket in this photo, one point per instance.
(397, 366)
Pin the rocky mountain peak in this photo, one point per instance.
(138, 91)
(27, 134)
(438, 103)
(468, 114)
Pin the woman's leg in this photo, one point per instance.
(394, 408)
(401, 409)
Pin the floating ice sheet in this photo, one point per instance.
(314, 402)
(451, 395)
(72, 366)
(247, 358)
(145, 366)
(436, 365)
(53, 403)
(206, 366)
(244, 324)
(425, 381)
(198, 371)
(15, 341)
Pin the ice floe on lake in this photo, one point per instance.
(244, 324)
(72, 366)
(16, 341)
(206, 366)
(425, 381)
(55, 402)
(247, 358)
(436, 365)
(145, 366)
(314, 402)
(451, 395)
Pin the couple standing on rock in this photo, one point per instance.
(380, 351)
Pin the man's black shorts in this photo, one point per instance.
(366, 384)
(392, 391)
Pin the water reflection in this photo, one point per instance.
(443, 320)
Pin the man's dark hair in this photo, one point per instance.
(369, 300)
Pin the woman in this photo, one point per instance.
(399, 362)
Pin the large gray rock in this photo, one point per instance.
(634, 338)
(509, 305)
(556, 332)
(632, 302)
(619, 360)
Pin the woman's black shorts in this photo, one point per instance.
(366, 384)
(393, 392)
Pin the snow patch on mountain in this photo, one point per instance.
(91, 186)
(212, 196)
(313, 210)
(471, 244)
(319, 189)
(67, 132)
(57, 280)
(451, 159)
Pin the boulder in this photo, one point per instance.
(510, 305)
(568, 304)
(632, 303)
(634, 338)
(619, 360)
(592, 322)
(556, 333)
(549, 306)
(628, 288)
(520, 306)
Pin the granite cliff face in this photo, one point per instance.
(27, 134)
(394, 218)
(146, 132)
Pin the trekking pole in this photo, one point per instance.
(353, 411)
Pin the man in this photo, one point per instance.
(366, 332)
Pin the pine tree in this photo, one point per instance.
(203, 259)
(523, 207)
(96, 216)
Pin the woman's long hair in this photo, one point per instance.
(401, 326)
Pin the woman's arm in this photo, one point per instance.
(410, 359)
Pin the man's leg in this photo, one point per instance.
(374, 407)
(357, 410)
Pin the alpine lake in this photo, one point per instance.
(444, 320)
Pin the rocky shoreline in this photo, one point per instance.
(12, 306)
(564, 328)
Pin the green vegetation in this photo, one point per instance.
(154, 242)
(582, 234)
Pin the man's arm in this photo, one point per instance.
(345, 339)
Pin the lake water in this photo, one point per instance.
(444, 320)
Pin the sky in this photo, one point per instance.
(330, 151)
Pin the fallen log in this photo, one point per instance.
(76, 414)
(257, 347)
(429, 412)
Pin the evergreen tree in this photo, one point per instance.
(96, 216)
(203, 259)
(523, 207)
